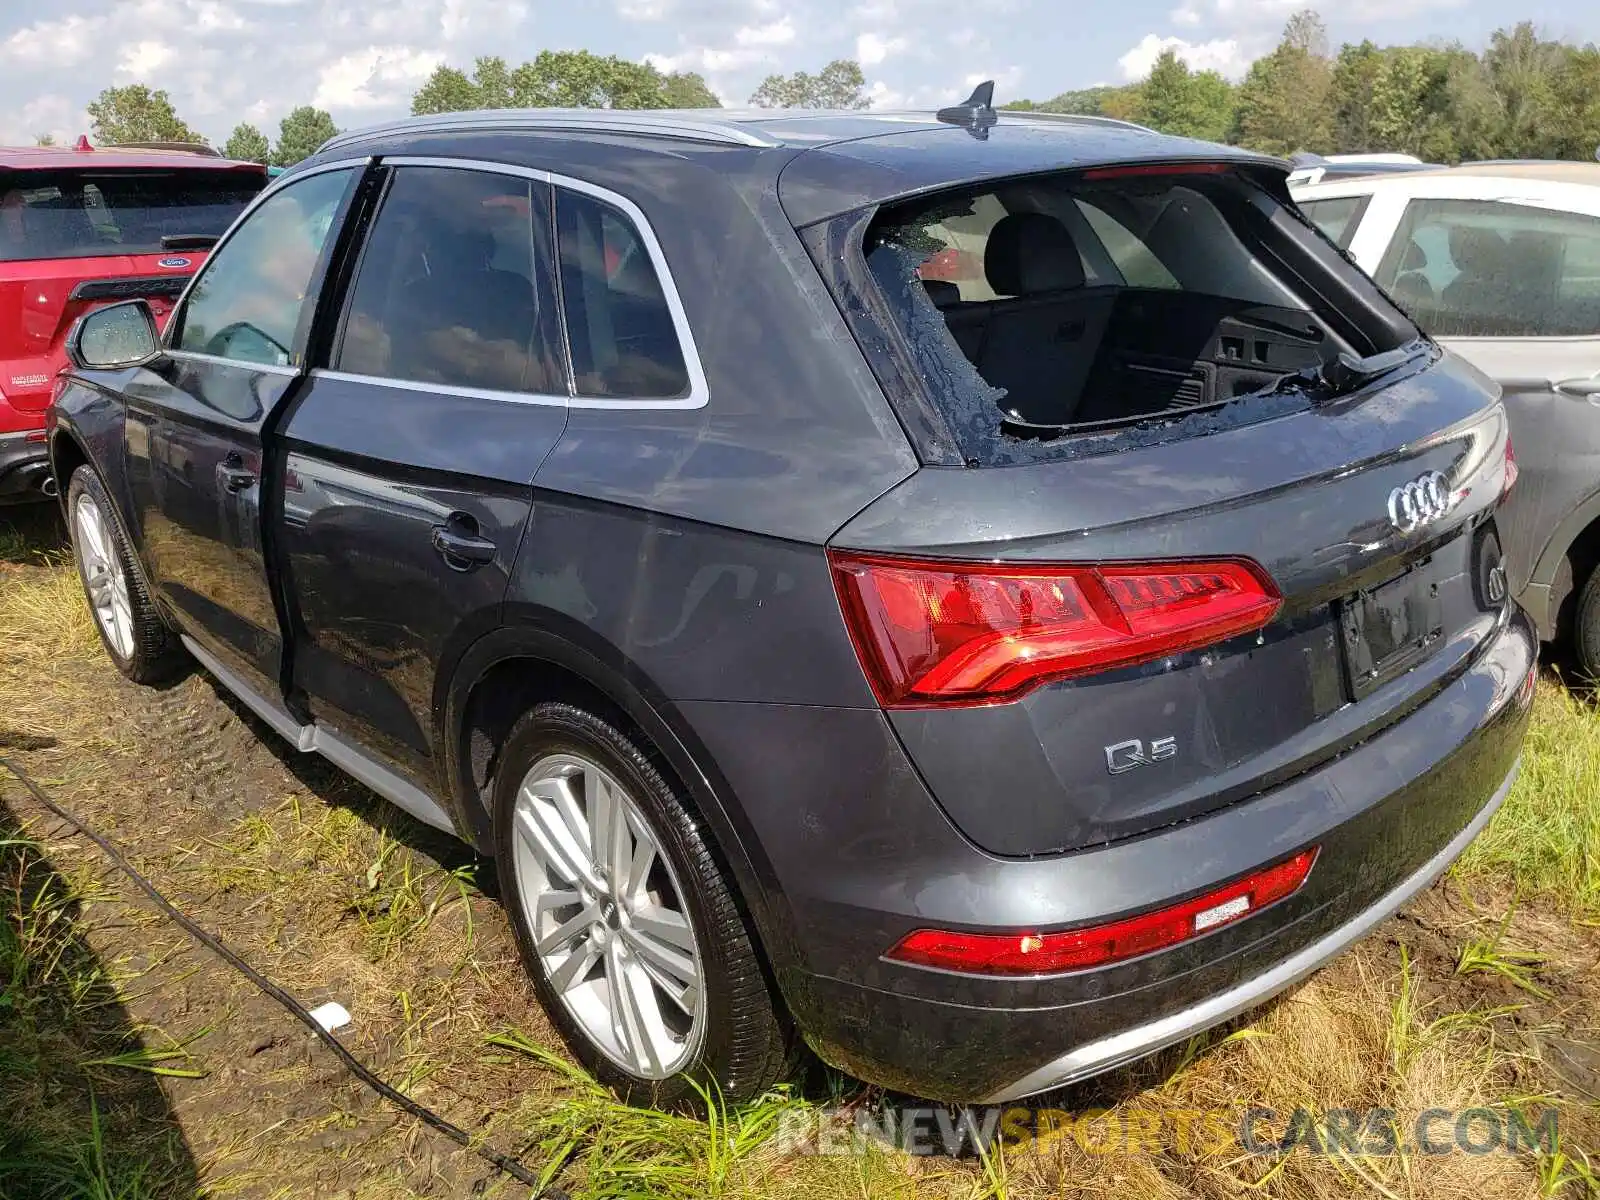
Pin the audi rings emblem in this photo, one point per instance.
(1421, 502)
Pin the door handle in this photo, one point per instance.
(460, 545)
(235, 478)
(1587, 388)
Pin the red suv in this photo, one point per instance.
(80, 228)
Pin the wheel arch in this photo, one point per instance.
(538, 655)
(1576, 539)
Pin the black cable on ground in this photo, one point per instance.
(352, 1064)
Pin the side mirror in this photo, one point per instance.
(117, 336)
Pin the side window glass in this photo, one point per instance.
(1139, 266)
(1489, 268)
(1337, 217)
(619, 327)
(247, 302)
(453, 287)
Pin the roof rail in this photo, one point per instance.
(1033, 114)
(685, 124)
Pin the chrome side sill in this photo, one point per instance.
(1132, 1044)
(352, 760)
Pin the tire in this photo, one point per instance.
(1586, 628)
(558, 767)
(138, 641)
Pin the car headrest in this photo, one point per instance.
(942, 292)
(1479, 253)
(1416, 258)
(1029, 253)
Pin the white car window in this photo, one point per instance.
(1495, 268)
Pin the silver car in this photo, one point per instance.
(1501, 263)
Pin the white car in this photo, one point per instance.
(1501, 263)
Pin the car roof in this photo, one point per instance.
(67, 158)
(1493, 174)
(835, 161)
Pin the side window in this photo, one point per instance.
(1337, 217)
(1139, 267)
(247, 302)
(1495, 268)
(620, 330)
(454, 287)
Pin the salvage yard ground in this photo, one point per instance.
(134, 1065)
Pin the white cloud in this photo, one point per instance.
(1223, 55)
(778, 33)
(374, 78)
(873, 48)
(51, 113)
(1186, 15)
(143, 59)
(63, 43)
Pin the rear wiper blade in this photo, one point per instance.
(190, 241)
(1349, 371)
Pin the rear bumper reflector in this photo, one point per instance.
(1098, 945)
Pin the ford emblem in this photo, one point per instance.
(173, 263)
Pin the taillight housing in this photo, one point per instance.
(1511, 469)
(934, 632)
(1101, 945)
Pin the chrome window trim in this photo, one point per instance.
(245, 364)
(441, 389)
(699, 392)
(272, 189)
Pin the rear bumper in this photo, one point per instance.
(858, 854)
(24, 468)
(1117, 1049)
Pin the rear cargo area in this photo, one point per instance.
(1094, 300)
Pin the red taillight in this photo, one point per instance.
(1199, 168)
(930, 632)
(1080, 949)
(1511, 469)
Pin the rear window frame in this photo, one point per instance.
(242, 177)
(953, 431)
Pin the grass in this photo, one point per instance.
(341, 898)
(58, 1006)
(1546, 839)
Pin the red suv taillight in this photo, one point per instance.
(1080, 949)
(937, 633)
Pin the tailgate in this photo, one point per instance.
(1387, 594)
(41, 299)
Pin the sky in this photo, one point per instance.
(226, 61)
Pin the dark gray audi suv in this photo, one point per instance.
(987, 595)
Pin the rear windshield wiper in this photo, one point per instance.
(1349, 371)
(190, 241)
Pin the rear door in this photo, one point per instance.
(409, 459)
(196, 422)
(71, 241)
(1513, 286)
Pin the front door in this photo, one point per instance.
(410, 458)
(196, 422)
(1513, 286)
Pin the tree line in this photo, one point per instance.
(1523, 96)
(554, 79)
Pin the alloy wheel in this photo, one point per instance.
(103, 576)
(608, 919)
